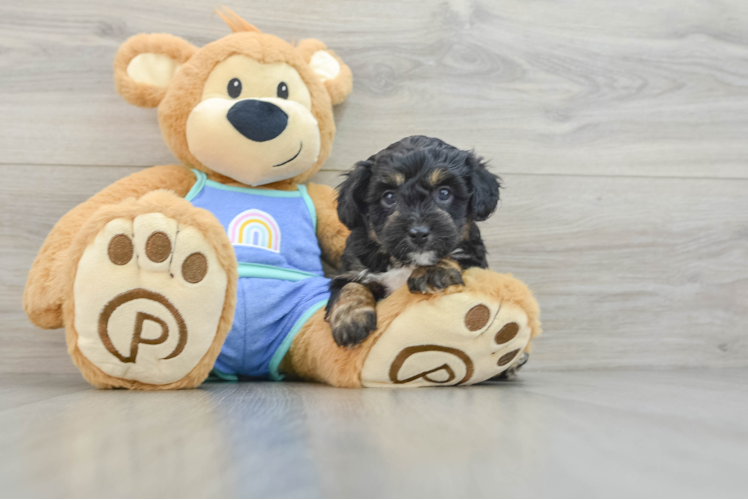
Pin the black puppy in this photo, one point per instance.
(411, 209)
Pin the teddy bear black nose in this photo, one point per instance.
(258, 121)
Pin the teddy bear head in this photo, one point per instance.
(249, 107)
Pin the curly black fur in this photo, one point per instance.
(414, 203)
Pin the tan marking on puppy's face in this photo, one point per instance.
(396, 178)
(228, 130)
(391, 220)
(466, 230)
(437, 176)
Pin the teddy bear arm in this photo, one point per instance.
(331, 233)
(43, 296)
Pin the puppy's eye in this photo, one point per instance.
(234, 88)
(444, 195)
(282, 90)
(388, 198)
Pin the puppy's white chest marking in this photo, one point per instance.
(394, 278)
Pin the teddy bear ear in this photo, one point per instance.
(334, 73)
(145, 65)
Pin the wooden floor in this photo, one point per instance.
(559, 434)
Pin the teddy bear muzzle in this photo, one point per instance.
(255, 141)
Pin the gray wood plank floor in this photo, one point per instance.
(560, 434)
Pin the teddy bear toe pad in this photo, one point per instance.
(457, 339)
(149, 294)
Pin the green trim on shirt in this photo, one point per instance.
(260, 192)
(286, 345)
(248, 270)
(202, 181)
(197, 186)
(217, 375)
(309, 205)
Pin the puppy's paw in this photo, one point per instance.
(353, 327)
(353, 315)
(431, 279)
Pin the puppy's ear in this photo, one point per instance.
(351, 194)
(485, 188)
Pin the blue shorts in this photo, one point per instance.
(269, 314)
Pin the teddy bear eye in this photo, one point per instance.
(282, 90)
(235, 88)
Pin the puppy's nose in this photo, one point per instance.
(419, 234)
(256, 120)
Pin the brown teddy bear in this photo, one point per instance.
(215, 264)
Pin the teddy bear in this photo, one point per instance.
(215, 264)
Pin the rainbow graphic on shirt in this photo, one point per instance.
(255, 228)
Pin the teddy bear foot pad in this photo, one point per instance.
(430, 345)
(149, 293)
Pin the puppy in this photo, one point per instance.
(411, 209)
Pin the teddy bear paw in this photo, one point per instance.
(457, 339)
(149, 293)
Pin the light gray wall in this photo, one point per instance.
(620, 129)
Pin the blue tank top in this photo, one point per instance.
(274, 233)
(280, 269)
